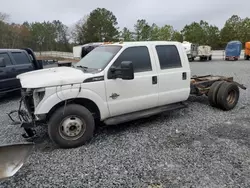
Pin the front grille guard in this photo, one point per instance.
(25, 120)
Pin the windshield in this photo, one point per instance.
(99, 57)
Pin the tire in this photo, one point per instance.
(228, 96)
(72, 119)
(247, 57)
(210, 58)
(212, 93)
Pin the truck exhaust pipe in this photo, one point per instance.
(12, 158)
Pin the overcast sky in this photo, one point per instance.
(175, 12)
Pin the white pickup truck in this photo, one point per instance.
(115, 83)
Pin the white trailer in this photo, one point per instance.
(191, 50)
(205, 52)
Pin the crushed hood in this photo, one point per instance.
(52, 77)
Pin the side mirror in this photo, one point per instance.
(127, 70)
(40, 64)
(2, 62)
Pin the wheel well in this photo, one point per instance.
(90, 105)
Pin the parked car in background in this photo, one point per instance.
(205, 52)
(191, 50)
(247, 51)
(233, 50)
(12, 63)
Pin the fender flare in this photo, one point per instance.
(49, 102)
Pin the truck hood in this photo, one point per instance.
(52, 77)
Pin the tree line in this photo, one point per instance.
(102, 25)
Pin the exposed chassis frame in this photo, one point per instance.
(201, 84)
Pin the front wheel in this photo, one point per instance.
(71, 126)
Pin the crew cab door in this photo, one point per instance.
(126, 96)
(22, 62)
(7, 73)
(173, 73)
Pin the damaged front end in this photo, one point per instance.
(24, 115)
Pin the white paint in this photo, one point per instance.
(52, 77)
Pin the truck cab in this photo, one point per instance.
(233, 50)
(114, 83)
(12, 63)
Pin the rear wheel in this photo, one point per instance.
(210, 58)
(228, 96)
(71, 126)
(212, 94)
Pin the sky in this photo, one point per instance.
(177, 13)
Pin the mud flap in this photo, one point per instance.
(12, 158)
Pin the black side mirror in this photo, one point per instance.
(40, 64)
(2, 62)
(127, 70)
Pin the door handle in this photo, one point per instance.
(154, 79)
(184, 76)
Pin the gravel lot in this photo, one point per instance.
(194, 147)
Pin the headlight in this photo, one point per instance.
(38, 95)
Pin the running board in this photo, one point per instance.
(143, 114)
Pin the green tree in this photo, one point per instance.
(62, 37)
(126, 34)
(231, 30)
(100, 26)
(165, 33)
(154, 32)
(245, 28)
(177, 36)
(142, 30)
(202, 33)
(78, 31)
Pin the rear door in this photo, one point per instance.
(173, 74)
(7, 74)
(22, 62)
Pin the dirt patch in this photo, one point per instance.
(238, 130)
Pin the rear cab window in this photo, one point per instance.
(21, 58)
(6, 58)
(168, 56)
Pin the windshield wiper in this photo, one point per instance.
(82, 67)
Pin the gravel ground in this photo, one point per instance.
(194, 147)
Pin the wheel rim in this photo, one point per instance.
(231, 97)
(72, 128)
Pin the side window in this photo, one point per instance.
(6, 58)
(139, 57)
(168, 56)
(21, 58)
